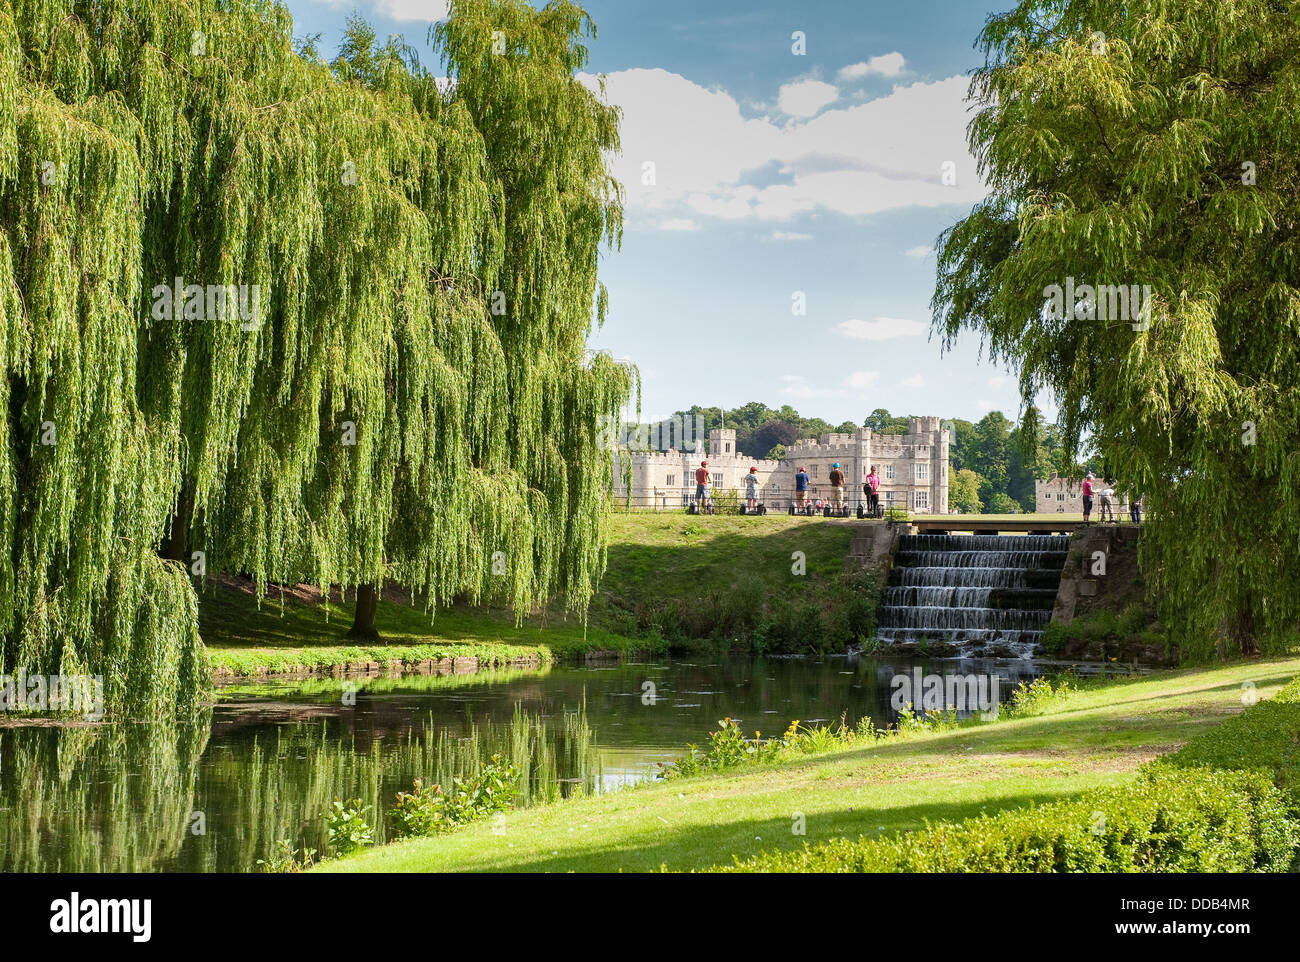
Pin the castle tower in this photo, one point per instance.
(722, 443)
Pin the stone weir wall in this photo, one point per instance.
(1102, 612)
(1101, 566)
(873, 546)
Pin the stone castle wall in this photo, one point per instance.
(913, 468)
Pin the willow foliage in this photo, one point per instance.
(1155, 142)
(318, 321)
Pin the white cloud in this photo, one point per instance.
(881, 329)
(886, 65)
(857, 159)
(852, 387)
(985, 405)
(679, 223)
(924, 250)
(861, 380)
(785, 235)
(405, 10)
(803, 98)
(998, 380)
(915, 380)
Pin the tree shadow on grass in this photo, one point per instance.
(709, 846)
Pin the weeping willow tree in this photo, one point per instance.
(302, 320)
(1154, 142)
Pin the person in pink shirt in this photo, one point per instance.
(1087, 496)
(872, 490)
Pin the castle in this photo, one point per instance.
(1058, 495)
(913, 469)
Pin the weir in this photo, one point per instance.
(973, 592)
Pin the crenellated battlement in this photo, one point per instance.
(665, 477)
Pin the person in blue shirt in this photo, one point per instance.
(801, 487)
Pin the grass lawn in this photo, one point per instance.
(656, 562)
(244, 639)
(694, 578)
(1095, 736)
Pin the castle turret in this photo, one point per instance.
(722, 442)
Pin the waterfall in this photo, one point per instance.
(972, 591)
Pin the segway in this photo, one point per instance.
(760, 510)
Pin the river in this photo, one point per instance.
(266, 760)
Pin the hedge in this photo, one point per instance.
(1228, 801)
(1265, 737)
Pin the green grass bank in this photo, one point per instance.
(1099, 736)
(673, 582)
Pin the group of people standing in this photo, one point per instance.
(1105, 491)
(802, 483)
(704, 488)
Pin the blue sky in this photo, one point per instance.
(777, 176)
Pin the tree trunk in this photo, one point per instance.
(363, 621)
(175, 547)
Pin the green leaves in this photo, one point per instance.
(378, 421)
(1165, 156)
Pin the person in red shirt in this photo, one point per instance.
(701, 484)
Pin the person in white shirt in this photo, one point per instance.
(1107, 496)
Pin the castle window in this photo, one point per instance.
(671, 481)
(889, 472)
(921, 500)
(812, 472)
(717, 480)
(922, 472)
(727, 446)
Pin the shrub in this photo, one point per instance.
(347, 826)
(286, 857)
(429, 811)
(1055, 637)
(1197, 820)
(729, 748)
(1033, 698)
(1265, 737)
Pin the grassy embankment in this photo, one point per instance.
(674, 581)
(1097, 736)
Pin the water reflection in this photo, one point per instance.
(264, 763)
